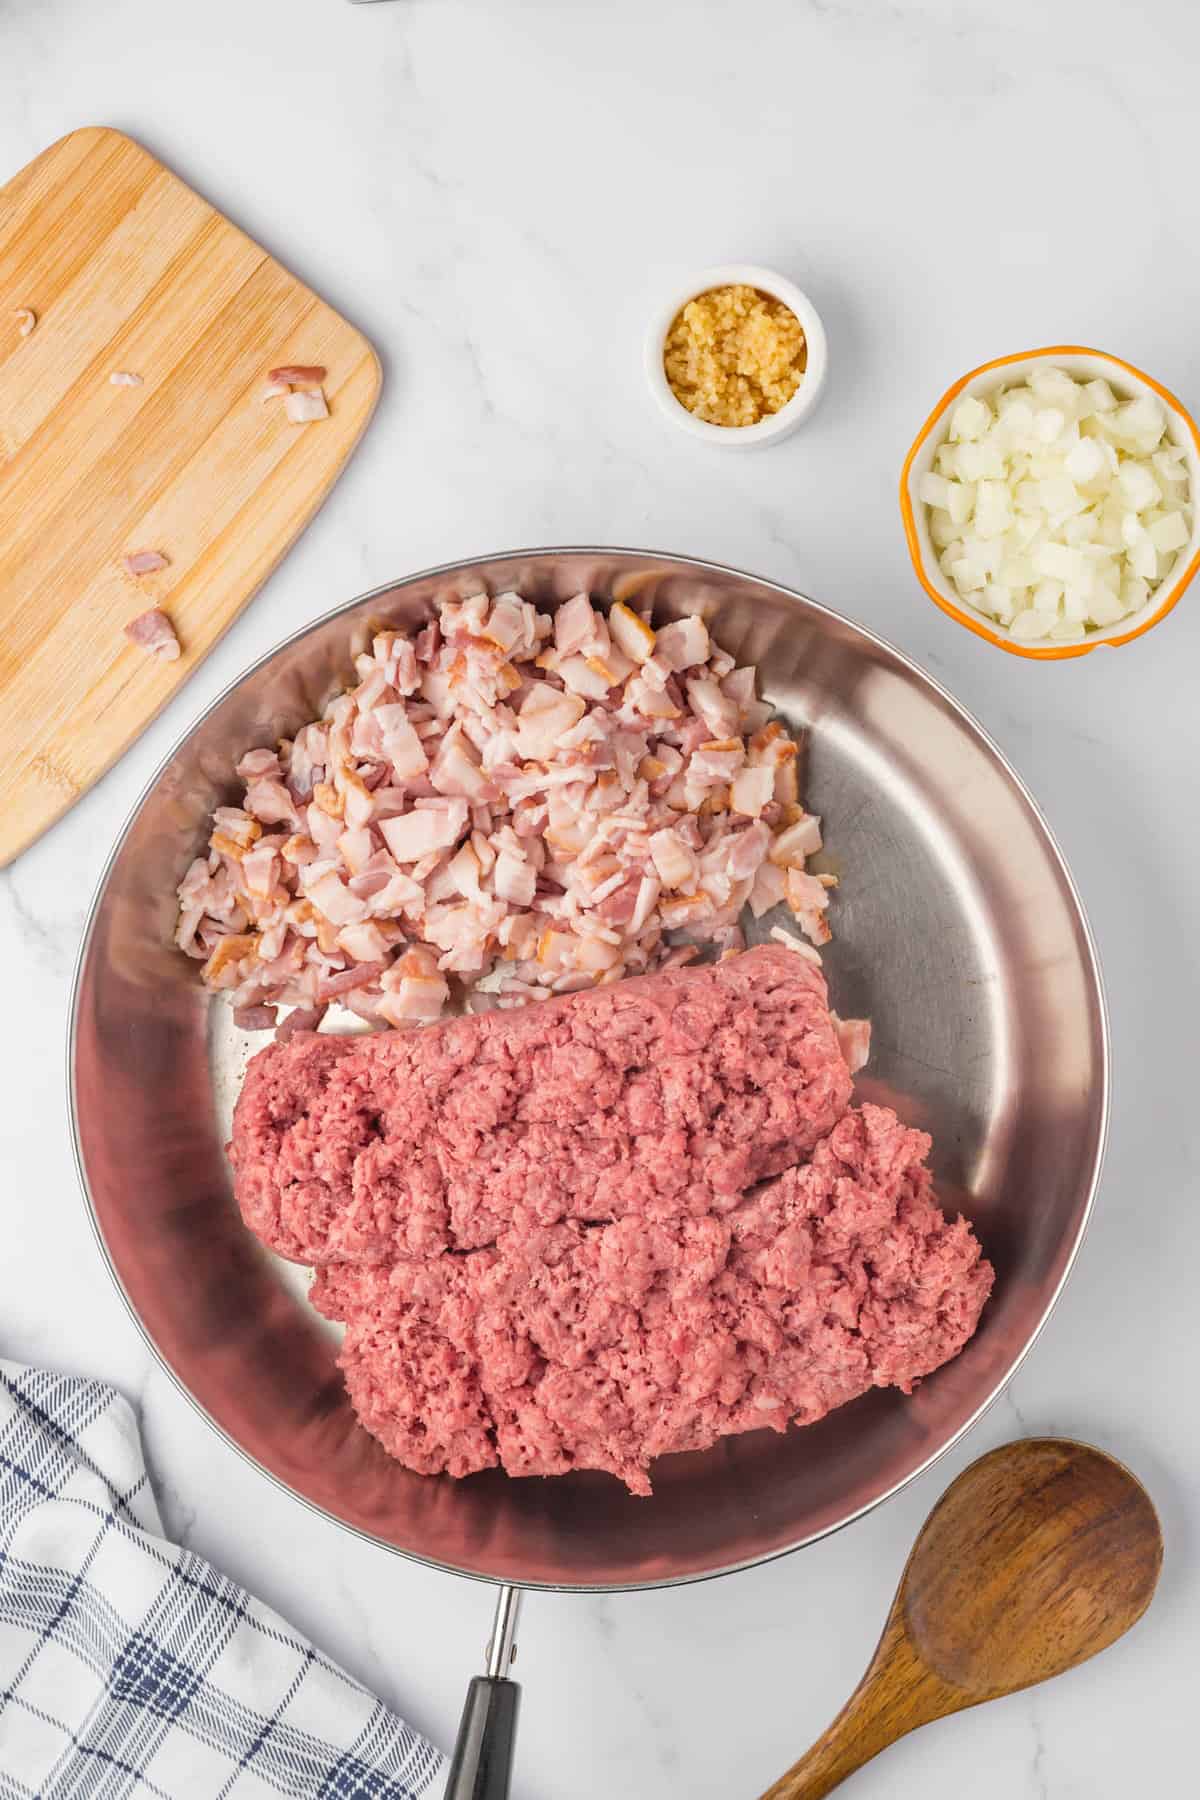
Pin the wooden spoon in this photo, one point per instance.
(1040, 1554)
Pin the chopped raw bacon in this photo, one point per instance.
(808, 897)
(153, 631)
(793, 943)
(346, 979)
(26, 320)
(747, 851)
(575, 625)
(751, 790)
(425, 828)
(416, 1000)
(298, 374)
(144, 562)
(254, 1018)
(685, 644)
(333, 899)
(302, 408)
(304, 1018)
(506, 805)
(796, 842)
(674, 862)
(125, 378)
(854, 1040)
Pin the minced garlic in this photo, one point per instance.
(734, 355)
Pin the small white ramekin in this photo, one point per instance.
(776, 425)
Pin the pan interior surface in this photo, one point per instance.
(957, 931)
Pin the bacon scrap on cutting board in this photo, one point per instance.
(144, 562)
(304, 407)
(153, 631)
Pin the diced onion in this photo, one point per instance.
(1057, 508)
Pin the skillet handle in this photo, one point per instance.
(481, 1768)
(483, 1755)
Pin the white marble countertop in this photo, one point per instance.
(497, 191)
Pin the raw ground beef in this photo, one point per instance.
(554, 1239)
(661, 1097)
(576, 1346)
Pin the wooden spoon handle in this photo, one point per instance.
(896, 1694)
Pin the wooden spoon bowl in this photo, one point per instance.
(1040, 1554)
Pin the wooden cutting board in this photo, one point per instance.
(127, 269)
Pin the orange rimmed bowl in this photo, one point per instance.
(1085, 365)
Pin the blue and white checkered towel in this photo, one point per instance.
(131, 1667)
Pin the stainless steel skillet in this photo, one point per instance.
(959, 932)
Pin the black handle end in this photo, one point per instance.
(481, 1768)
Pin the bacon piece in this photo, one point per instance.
(417, 1000)
(254, 1018)
(302, 408)
(342, 982)
(144, 562)
(292, 374)
(426, 828)
(330, 895)
(797, 841)
(153, 631)
(854, 1041)
(751, 790)
(303, 1018)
